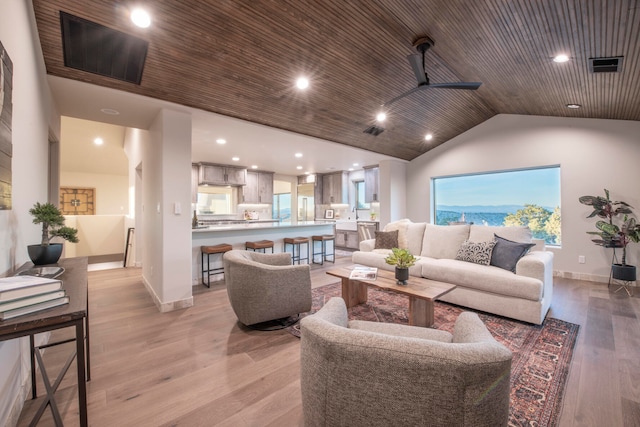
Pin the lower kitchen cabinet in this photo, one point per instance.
(347, 239)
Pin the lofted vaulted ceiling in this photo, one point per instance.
(240, 58)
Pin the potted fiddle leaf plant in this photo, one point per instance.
(616, 229)
(402, 259)
(52, 222)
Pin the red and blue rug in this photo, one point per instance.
(541, 353)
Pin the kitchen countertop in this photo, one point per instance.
(260, 224)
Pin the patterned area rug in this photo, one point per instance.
(541, 354)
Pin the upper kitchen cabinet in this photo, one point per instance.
(222, 175)
(259, 188)
(335, 188)
(371, 184)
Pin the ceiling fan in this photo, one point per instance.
(417, 64)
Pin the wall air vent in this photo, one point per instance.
(374, 130)
(605, 65)
(91, 47)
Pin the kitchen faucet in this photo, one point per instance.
(355, 209)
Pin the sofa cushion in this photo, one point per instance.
(443, 241)
(386, 239)
(507, 253)
(482, 233)
(415, 233)
(400, 225)
(476, 252)
(484, 278)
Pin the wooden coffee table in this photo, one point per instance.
(421, 292)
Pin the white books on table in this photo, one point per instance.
(30, 300)
(16, 287)
(34, 308)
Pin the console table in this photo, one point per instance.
(75, 314)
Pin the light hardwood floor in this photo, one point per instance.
(198, 367)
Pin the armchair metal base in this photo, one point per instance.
(276, 324)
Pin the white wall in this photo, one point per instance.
(112, 191)
(593, 155)
(393, 191)
(166, 180)
(33, 116)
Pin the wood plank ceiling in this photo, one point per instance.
(240, 58)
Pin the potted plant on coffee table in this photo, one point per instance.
(402, 259)
(52, 222)
(614, 232)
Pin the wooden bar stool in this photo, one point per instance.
(212, 250)
(260, 244)
(297, 242)
(324, 256)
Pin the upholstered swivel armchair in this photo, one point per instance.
(357, 373)
(265, 287)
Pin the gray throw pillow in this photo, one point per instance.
(386, 239)
(506, 253)
(476, 252)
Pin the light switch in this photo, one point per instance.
(177, 209)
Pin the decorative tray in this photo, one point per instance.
(49, 272)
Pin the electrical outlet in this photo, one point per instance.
(581, 259)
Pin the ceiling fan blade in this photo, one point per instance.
(458, 85)
(415, 61)
(402, 95)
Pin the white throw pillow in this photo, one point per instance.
(482, 233)
(401, 226)
(443, 241)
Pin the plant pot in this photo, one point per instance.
(42, 255)
(402, 275)
(625, 273)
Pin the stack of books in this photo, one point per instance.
(20, 295)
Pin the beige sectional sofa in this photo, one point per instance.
(523, 294)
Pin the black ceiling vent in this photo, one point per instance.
(100, 50)
(374, 130)
(605, 65)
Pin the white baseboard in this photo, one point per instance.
(165, 307)
(582, 276)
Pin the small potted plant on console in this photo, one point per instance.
(52, 222)
(402, 259)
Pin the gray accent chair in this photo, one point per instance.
(264, 287)
(358, 373)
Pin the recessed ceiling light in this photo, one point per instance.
(299, 167)
(110, 111)
(141, 18)
(298, 155)
(302, 83)
(561, 58)
(428, 137)
(574, 106)
(350, 169)
(355, 164)
(98, 141)
(254, 166)
(221, 141)
(235, 159)
(307, 173)
(381, 117)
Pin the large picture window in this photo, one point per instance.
(528, 197)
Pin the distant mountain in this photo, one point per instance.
(480, 208)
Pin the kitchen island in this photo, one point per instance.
(237, 234)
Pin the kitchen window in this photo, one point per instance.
(360, 198)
